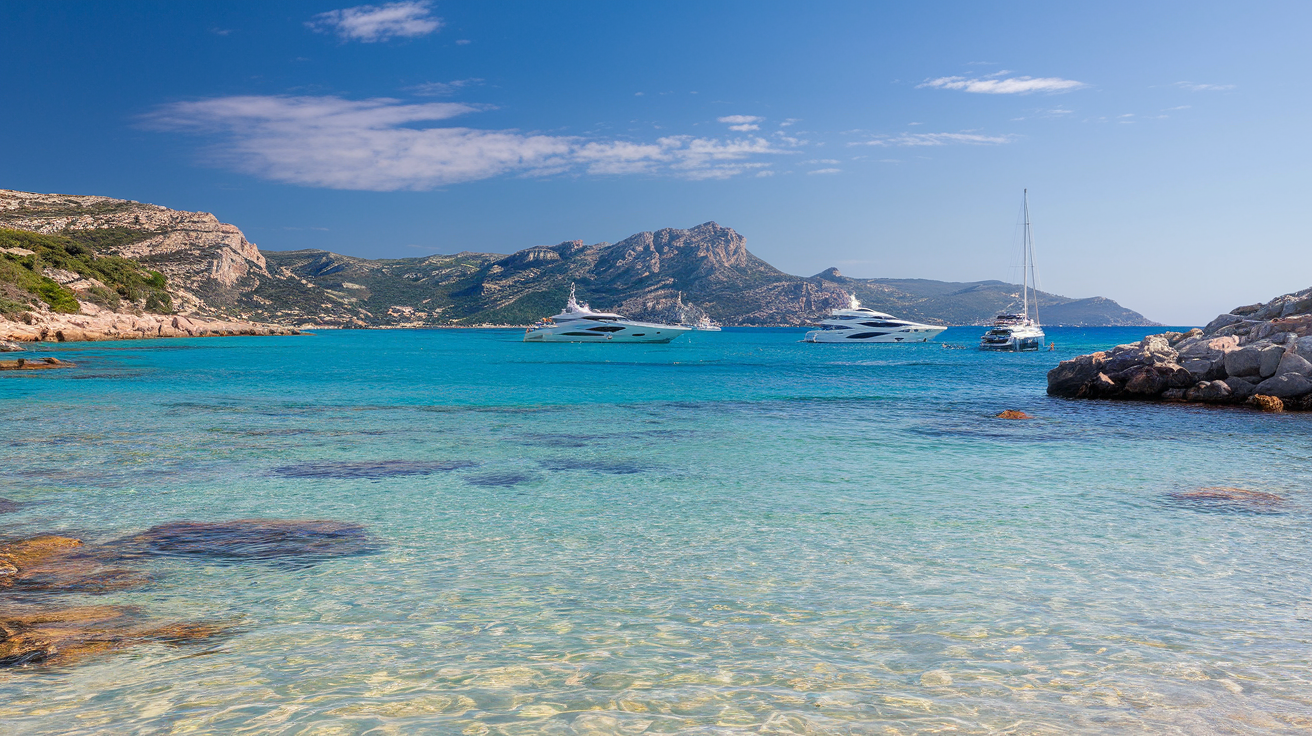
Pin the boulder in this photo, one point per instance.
(1144, 381)
(1270, 358)
(1266, 403)
(1102, 386)
(1225, 320)
(1071, 378)
(1173, 394)
(9, 347)
(1287, 386)
(1212, 392)
(1240, 389)
(1244, 362)
(1294, 363)
(1176, 376)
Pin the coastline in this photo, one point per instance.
(94, 324)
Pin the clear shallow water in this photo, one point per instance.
(737, 534)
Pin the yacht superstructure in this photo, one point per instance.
(579, 323)
(858, 324)
(1019, 332)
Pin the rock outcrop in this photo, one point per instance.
(95, 323)
(1259, 354)
(209, 264)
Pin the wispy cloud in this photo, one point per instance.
(741, 123)
(1195, 87)
(1009, 86)
(442, 89)
(372, 23)
(385, 144)
(934, 139)
(826, 171)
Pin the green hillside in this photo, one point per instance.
(107, 280)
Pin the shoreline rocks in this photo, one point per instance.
(23, 364)
(96, 324)
(1260, 355)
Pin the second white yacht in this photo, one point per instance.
(578, 323)
(858, 324)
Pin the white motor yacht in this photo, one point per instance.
(1018, 332)
(857, 324)
(578, 323)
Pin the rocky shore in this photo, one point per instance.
(95, 323)
(1260, 355)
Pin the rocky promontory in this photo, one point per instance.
(95, 323)
(1260, 354)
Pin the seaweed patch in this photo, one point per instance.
(370, 469)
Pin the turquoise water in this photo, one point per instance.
(734, 534)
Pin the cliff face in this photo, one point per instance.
(208, 264)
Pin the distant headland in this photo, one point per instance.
(90, 267)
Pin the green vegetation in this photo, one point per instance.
(79, 251)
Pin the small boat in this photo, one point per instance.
(579, 323)
(1019, 332)
(858, 324)
(702, 325)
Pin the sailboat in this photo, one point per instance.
(1017, 332)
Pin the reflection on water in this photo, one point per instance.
(742, 534)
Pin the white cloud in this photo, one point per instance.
(385, 144)
(1012, 86)
(370, 23)
(763, 174)
(442, 89)
(934, 139)
(1193, 87)
(741, 123)
(826, 171)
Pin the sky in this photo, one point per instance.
(1165, 146)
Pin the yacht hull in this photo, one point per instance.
(1014, 343)
(640, 332)
(919, 333)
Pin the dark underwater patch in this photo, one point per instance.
(370, 469)
(9, 507)
(288, 541)
(500, 480)
(609, 467)
(1226, 500)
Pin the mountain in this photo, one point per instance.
(211, 269)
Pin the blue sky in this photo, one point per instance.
(1164, 145)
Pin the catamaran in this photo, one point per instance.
(1017, 332)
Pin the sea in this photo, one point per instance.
(733, 533)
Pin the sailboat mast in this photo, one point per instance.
(1025, 262)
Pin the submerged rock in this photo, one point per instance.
(1257, 354)
(1266, 403)
(370, 469)
(1013, 414)
(9, 507)
(53, 564)
(287, 541)
(62, 636)
(23, 364)
(1225, 498)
